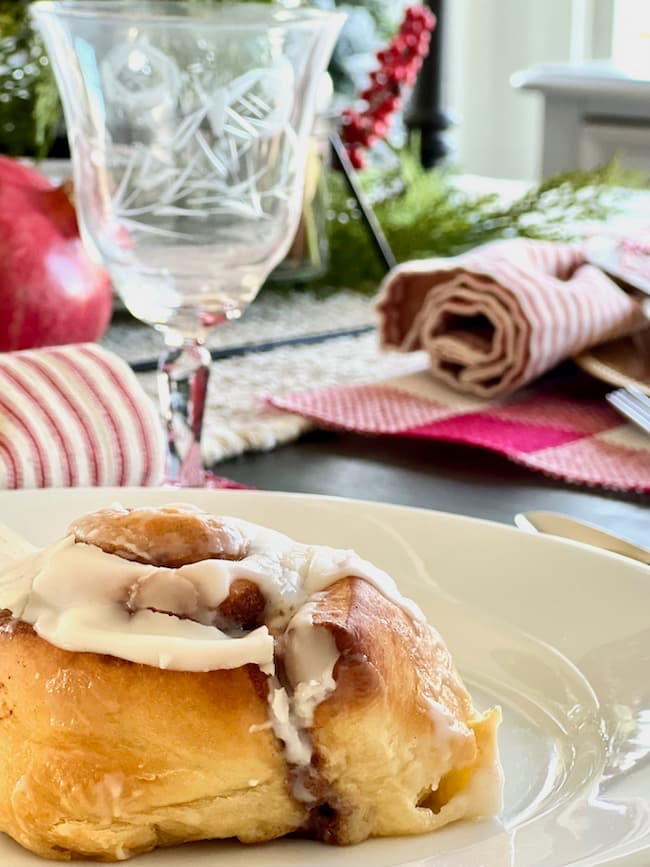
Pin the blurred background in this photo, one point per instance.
(505, 67)
(440, 127)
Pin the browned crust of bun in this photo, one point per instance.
(380, 749)
(105, 758)
(168, 536)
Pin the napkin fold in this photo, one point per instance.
(495, 318)
(75, 415)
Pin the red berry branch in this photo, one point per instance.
(399, 64)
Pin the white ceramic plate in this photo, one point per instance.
(555, 632)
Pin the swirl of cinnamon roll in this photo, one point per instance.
(172, 535)
(168, 675)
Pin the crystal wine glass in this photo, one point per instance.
(188, 125)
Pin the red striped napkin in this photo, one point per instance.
(497, 317)
(551, 430)
(75, 415)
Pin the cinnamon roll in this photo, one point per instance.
(167, 675)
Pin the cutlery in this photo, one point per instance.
(579, 531)
(633, 404)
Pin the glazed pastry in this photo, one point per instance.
(167, 676)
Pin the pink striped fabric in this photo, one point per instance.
(494, 319)
(75, 415)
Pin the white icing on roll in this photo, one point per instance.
(80, 598)
(309, 655)
(297, 746)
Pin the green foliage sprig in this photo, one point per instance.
(434, 217)
(30, 112)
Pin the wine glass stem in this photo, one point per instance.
(183, 373)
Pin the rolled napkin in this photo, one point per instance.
(495, 318)
(75, 415)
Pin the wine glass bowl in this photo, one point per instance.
(188, 126)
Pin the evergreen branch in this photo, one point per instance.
(433, 217)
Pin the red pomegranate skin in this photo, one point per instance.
(51, 292)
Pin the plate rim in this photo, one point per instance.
(334, 498)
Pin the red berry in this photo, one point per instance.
(400, 72)
(378, 77)
(388, 106)
(394, 55)
(354, 135)
(429, 18)
(361, 134)
(399, 63)
(356, 157)
(380, 113)
(372, 90)
(353, 126)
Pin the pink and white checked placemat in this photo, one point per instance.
(560, 434)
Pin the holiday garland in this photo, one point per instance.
(399, 64)
(434, 216)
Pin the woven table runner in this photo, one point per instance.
(273, 317)
(238, 417)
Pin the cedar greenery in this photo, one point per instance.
(29, 105)
(433, 217)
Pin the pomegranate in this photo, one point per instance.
(50, 290)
